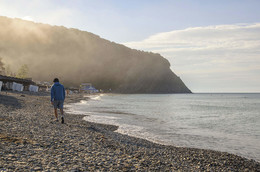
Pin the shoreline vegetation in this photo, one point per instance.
(31, 140)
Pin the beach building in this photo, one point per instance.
(33, 88)
(88, 88)
(17, 87)
(72, 90)
(13, 83)
(1, 83)
(43, 86)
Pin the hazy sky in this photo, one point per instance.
(213, 45)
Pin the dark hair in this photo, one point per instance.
(56, 80)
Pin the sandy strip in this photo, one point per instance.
(31, 141)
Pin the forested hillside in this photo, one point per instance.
(78, 56)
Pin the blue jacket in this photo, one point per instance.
(57, 92)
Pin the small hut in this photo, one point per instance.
(7, 82)
(88, 88)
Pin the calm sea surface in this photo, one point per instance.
(223, 122)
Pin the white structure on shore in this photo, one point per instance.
(33, 88)
(1, 83)
(17, 87)
(88, 88)
(15, 84)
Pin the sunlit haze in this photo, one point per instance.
(214, 46)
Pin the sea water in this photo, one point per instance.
(222, 122)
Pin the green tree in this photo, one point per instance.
(23, 72)
(2, 68)
(8, 71)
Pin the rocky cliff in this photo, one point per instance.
(78, 56)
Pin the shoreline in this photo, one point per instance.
(133, 130)
(30, 140)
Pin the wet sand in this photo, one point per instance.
(30, 140)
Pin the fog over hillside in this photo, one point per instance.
(78, 56)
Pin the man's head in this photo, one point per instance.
(56, 80)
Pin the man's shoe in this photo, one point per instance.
(62, 120)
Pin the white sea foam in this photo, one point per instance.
(101, 119)
(223, 122)
(83, 101)
(126, 129)
(73, 109)
(95, 96)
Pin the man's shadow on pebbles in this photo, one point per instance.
(10, 101)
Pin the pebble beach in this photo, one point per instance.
(31, 140)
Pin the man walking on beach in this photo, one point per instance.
(57, 98)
